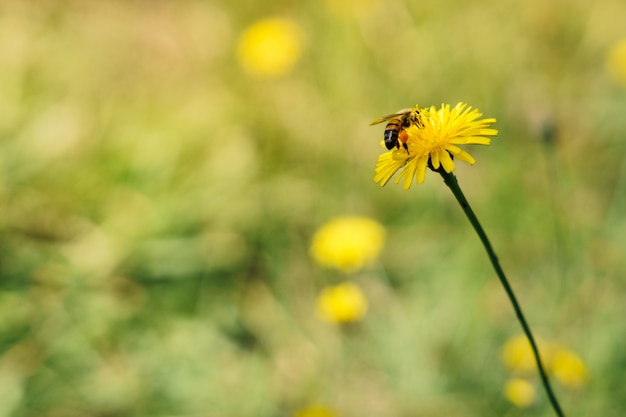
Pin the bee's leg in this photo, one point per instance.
(403, 137)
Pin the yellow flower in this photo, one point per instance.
(569, 369)
(347, 243)
(315, 411)
(342, 303)
(520, 392)
(270, 47)
(616, 61)
(433, 142)
(518, 357)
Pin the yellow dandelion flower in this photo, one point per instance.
(270, 47)
(433, 143)
(569, 369)
(517, 354)
(315, 411)
(342, 303)
(616, 61)
(347, 243)
(520, 392)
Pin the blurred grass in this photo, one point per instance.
(157, 203)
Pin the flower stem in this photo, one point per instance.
(452, 183)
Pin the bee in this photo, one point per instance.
(395, 132)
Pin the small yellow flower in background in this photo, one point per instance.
(564, 364)
(270, 47)
(435, 142)
(342, 303)
(520, 392)
(518, 357)
(347, 243)
(315, 411)
(616, 61)
(569, 369)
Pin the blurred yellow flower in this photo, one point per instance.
(347, 243)
(434, 143)
(520, 392)
(342, 303)
(315, 411)
(569, 369)
(616, 61)
(270, 47)
(564, 364)
(518, 357)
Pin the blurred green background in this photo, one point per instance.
(157, 202)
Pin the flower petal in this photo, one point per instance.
(407, 174)
(420, 172)
(446, 161)
(464, 156)
(471, 140)
(434, 159)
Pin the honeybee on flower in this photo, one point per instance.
(431, 139)
(395, 131)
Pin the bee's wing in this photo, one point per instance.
(382, 119)
(390, 116)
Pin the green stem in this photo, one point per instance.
(452, 183)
